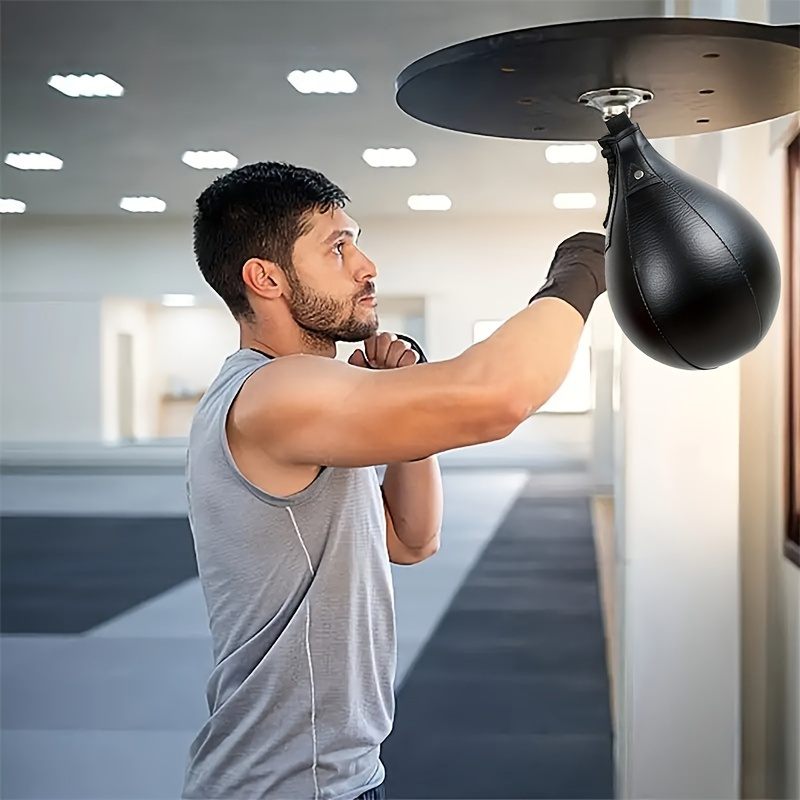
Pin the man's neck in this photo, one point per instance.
(271, 344)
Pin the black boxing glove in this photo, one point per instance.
(578, 272)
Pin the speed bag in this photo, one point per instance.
(693, 280)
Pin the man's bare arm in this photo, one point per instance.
(319, 411)
(413, 499)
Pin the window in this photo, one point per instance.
(792, 545)
(574, 396)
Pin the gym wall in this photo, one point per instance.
(50, 351)
(770, 583)
(176, 354)
(715, 530)
(71, 286)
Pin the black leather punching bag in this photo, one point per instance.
(693, 280)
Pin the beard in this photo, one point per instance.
(326, 319)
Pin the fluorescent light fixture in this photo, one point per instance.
(324, 81)
(210, 159)
(142, 204)
(389, 157)
(575, 200)
(9, 206)
(178, 300)
(429, 202)
(571, 153)
(86, 86)
(42, 161)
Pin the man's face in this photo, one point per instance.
(333, 296)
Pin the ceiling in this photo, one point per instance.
(211, 75)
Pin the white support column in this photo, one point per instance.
(677, 486)
(602, 462)
(678, 498)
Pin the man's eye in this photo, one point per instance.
(338, 248)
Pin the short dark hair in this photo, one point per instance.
(257, 211)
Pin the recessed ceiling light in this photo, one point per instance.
(178, 300)
(9, 206)
(571, 153)
(575, 200)
(429, 202)
(389, 157)
(142, 204)
(86, 85)
(43, 161)
(210, 159)
(324, 81)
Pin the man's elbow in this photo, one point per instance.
(431, 549)
(416, 555)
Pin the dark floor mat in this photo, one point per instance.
(509, 700)
(66, 575)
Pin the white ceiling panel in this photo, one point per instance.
(213, 76)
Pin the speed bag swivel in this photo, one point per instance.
(693, 280)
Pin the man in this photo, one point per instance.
(294, 535)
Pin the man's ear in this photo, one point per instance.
(264, 278)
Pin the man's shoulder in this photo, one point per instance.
(288, 380)
(237, 368)
(263, 391)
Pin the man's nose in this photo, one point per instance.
(366, 269)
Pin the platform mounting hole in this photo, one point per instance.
(703, 121)
(707, 91)
(711, 55)
(614, 92)
(538, 129)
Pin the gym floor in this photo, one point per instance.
(502, 684)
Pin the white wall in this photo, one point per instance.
(710, 609)
(680, 641)
(675, 438)
(770, 584)
(189, 345)
(187, 348)
(175, 351)
(464, 269)
(49, 394)
(467, 270)
(754, 172)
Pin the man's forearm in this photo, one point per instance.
(528, 357)
(413, 495)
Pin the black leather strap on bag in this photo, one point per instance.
(421, 358)
(415, 347)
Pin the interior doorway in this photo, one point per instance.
(125, 388)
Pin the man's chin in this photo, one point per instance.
(357, 329)
(361, 330)
(354, 336)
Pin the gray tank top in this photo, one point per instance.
(301, 611)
